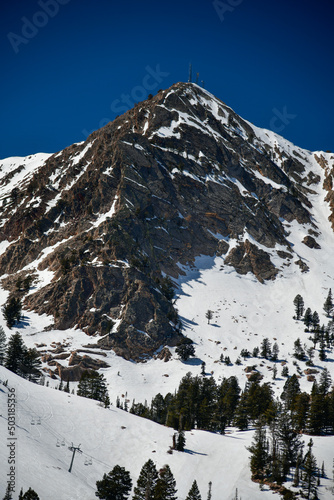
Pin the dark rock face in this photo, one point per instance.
(310, 242)
(247, 257)
(178, 176)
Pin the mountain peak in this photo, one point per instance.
(100, 224)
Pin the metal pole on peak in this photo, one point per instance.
(190, 72)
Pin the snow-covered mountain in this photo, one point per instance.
(237, 216)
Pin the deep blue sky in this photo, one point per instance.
(271, 61)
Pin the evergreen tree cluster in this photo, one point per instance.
(93, 385)
(320, 334)
(277, 449)
(19, 359)
(12, 311)
(151, 484)
(202, 403)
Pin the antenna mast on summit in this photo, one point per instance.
(190, 72)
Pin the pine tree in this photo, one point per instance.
(209, 315)
(209, 497)
(322, 351)
(67, 387)
(194, 493)
(8, 494)
(325, 381)
(308, 318)
(180, 441)
(299, 306)
(275, 351)
(265, 348)
(93, 385)
(147, 482)
(12, 311)
(289, 440)
(300, 410)
(166, 485)
(185, 350)
(241, 417)
(259, 453)
(290, 391)
(30, 494)
(317, 414)
(299, 352)
(16, 353)
(328, 305)
(310, 473)
(3, 340)
(315, 320)
(32, 365)
(116, 485)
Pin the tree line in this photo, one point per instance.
(152, 484)
(199, 402)
(19, 359)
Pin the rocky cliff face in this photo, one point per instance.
(180, 175)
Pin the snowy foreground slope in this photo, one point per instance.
(110, 437)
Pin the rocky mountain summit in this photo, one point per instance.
(100, 226)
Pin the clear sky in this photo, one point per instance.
(70, 66)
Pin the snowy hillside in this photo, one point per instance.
(106, 438)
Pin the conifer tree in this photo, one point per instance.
(328, 305)
(194, 493)
(32, 365)
(116, 485)
(166, 485)
(310, 473)
(185, 349)
(12, 311)
(30, 494)
(209, 497)
(299, 306)
(300, 410)
(147, 482)
(209, 315)
(315, 320)
(317, 414)
(265, 348)
(290, 391)
(308, 318)
(93, 385)
(241, 418)
(259, 452)
(322, 351)
(2, 345)
(16, 353)
(180, 441)
(289, 440)
(325, 381)
(275, 351)
(8, 494)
